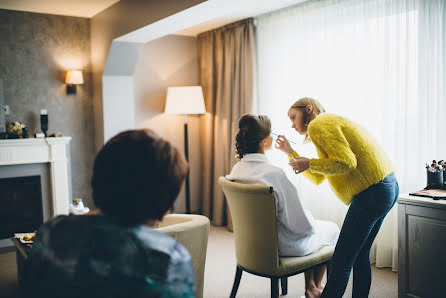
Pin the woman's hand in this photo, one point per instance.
(283, 145)
(299, 164)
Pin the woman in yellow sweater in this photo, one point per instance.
(359, 173)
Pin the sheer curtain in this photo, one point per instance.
(380, 63)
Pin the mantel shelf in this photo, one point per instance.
(34, 141)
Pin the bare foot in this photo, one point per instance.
(313, 293)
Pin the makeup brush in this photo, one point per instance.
(287, 139)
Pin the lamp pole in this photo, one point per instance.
(186, 154)
(185, 100)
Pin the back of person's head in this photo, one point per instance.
(137, 176)
(317, 109)
(252, 130)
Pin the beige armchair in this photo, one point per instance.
(254, 220)
(191, 231)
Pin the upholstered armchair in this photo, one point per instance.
(191, 231)
(256, 248)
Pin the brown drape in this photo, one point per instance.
(227, 58)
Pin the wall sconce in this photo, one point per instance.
(74, 77)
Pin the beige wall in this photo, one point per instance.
(119, 19)
(165, 62)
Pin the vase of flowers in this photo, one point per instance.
(16, 130)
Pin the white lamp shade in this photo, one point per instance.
(185, 100)
(74, 77)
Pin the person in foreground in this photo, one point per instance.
(136, 178)
(298, 233)
(360, 175)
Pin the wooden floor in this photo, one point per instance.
(8, 275)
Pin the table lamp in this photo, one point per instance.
(185, 101)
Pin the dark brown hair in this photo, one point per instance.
(252, 130)
(137, 176)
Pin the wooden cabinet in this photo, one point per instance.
(421, 247)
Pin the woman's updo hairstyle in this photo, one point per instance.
(252, 130)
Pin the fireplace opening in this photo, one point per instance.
(20, 205)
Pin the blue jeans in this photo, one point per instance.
(362, 222)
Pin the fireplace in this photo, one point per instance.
(35, 183)
(21, 202)
(25, 198)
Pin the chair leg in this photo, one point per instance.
(274, 287)
(238, 276)
(328, 268)
(284, 284)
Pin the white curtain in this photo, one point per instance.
(380, 63)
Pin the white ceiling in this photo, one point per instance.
(206, 16)
(229, 11)
(190, 22)
(75, 8)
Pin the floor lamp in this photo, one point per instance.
(185, 101)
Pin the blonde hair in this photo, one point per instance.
(308, 117)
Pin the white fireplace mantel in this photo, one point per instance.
(45, 150)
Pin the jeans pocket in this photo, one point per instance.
(384, 194)
(389, 180)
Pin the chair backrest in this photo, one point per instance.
(192, 232)
(254, 220)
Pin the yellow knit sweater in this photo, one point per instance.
(349, 157)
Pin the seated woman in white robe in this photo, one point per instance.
(299, 234)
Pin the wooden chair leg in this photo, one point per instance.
(284, 285)
(238, 276)
(274, 287)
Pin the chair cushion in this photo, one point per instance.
(293, 264)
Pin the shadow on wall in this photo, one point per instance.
(152, 100)
(167, 62)
(135, 85)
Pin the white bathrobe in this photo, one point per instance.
(298, 232)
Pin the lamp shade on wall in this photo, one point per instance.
(185, 100)
(74, 77)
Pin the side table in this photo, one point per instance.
(22, 252)
(421, 246)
